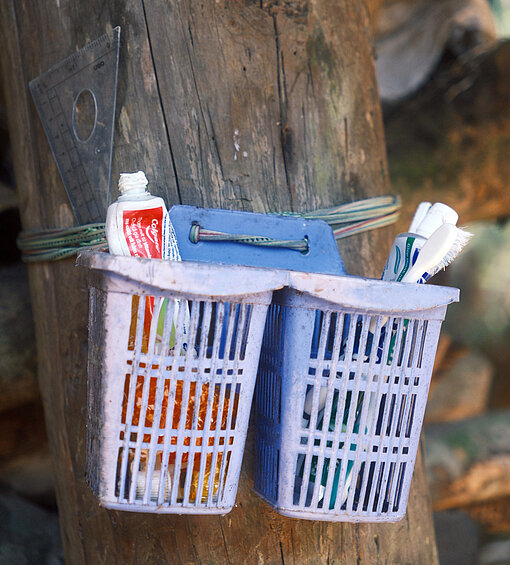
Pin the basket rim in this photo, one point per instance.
(187, 277)
(200, 278)
(363, 293)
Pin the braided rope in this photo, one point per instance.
(60, 243)
(197, 233)
(345, 220)
(359, 210)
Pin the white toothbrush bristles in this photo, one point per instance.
(458, 245)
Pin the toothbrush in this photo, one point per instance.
(442, 247)
(437, 252)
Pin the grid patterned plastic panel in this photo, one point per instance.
(164, 441)
(356, 387)
(175, 395)
(268, 404)
(341, 393)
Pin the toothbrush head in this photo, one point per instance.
(460, 241)
(437, 252)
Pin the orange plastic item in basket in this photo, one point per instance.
(178, 413)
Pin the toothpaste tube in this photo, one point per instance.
(134, 226)
(134, 223)
(407, 246)
(138, 224)
(403, 254)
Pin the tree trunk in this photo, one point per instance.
(263, 106)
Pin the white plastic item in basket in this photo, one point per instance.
(342, 387)
(167, 423)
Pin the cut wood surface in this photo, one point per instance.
(493, 514)
(263, 106)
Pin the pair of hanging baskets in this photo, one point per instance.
(344, 371)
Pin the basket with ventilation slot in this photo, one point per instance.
(173, 353)
(342, 386)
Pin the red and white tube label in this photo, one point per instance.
(143, 230)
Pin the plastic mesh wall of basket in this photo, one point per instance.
(340, 400)
(171, 379)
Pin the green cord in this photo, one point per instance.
(55, 244)
(197, 234)
(345, 220)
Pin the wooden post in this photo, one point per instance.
(253, 105)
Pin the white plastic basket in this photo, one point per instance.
(342, 386)
(169, 392)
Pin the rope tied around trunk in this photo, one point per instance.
(60, 243)
(345, 220)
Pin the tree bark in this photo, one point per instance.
(264, 106)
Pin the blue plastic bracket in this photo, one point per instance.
(322, 255)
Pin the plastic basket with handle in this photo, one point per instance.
(342, 386)
(173, 353)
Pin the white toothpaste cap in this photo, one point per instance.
(437, 215)
(133, 182)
